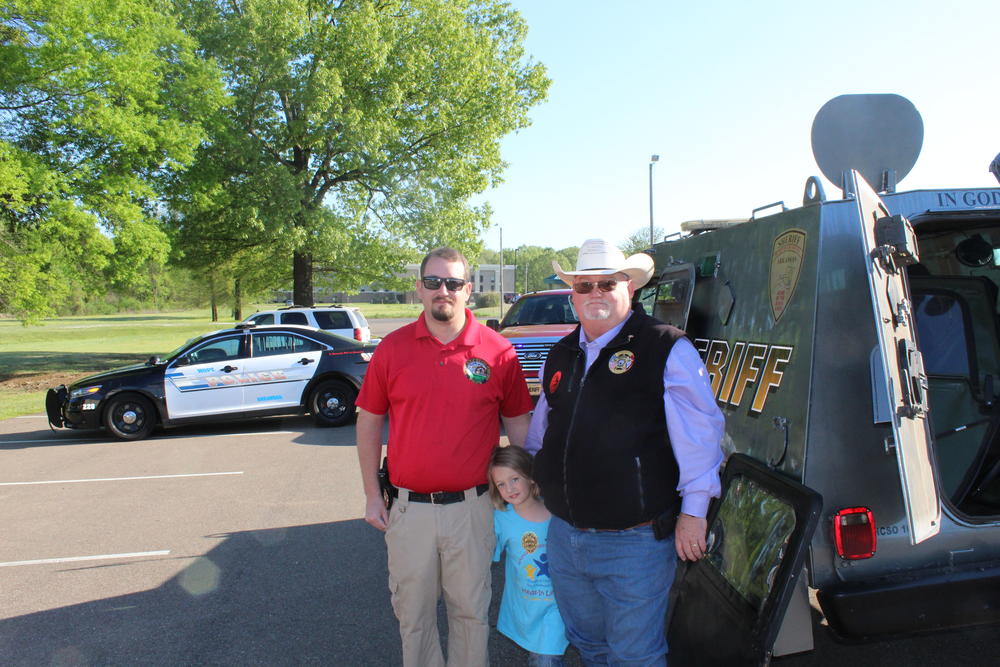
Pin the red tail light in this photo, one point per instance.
(854, 533)
(357, 335)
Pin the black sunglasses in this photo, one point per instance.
(586, 287)
(433, 283)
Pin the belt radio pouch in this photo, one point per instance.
(663, 525)
(385, 485)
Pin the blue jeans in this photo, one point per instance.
(612, 589)
(543, 660)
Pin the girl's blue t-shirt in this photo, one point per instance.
(528, 612)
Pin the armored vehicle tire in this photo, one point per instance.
(129, 417)
(332, 403)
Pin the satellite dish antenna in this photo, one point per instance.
(878, 135)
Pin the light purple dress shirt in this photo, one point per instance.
(694, 421)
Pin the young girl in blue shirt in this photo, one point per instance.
(528, 612)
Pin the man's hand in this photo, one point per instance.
(376, 514)
(689, 537)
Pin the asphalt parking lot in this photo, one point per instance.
(233, 545)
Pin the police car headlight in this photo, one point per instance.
(84, 391)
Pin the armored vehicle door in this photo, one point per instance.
(890, 244)
(726, 609)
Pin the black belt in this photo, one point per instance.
(618, 530)
(440, 497)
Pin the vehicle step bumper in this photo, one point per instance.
(920, 602)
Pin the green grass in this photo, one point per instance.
(15, 404)
(63, 349)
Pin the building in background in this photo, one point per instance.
(485, 278)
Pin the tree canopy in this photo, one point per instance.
(638, 240)
(99, 99)
(533, 265)
(355, 133)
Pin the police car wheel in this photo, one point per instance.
(332, 403)
(129, 417)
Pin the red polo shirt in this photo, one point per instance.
(443, 402)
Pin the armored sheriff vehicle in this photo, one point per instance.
(853, 346)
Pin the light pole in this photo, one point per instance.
(652, 160)
(501, 271)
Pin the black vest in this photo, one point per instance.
(606, 459)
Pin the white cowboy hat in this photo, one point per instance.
(599, 258)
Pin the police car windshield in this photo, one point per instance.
(542, 309)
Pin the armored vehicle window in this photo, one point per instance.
(749, 560)
(943, 335)
(645, 297)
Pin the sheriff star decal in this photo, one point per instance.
(477, 370)
(621, 362)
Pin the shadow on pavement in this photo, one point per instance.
(304, 595)
(311, 594)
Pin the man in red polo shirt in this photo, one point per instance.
(443, 380)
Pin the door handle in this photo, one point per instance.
(229, 369)
(305, 361)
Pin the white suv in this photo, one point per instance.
(341, 320)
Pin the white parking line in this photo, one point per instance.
(103, 440)
(28, 442)
(73, 559)
(120, 479)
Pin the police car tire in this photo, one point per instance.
(339, 392)
(129, 417)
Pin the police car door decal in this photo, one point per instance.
(205, 381)
(889, 245)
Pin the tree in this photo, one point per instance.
(98, 100)
(356, 132)
(538, 263)
(638, 240)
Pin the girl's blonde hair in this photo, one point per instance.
(518, 460)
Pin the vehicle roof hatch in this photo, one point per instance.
(889, 245)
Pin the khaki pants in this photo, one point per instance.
(435, 550)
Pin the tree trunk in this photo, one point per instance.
(215, 303)
(302, 277)
(238, 300)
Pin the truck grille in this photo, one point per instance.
(532, 355)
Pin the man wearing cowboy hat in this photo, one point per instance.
(627, 437)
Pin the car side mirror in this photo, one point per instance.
(153, 360)
(493, 324)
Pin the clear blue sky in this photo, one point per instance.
(725, 92)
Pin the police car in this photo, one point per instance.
(243, 372)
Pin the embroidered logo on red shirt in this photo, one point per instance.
(477, 370)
